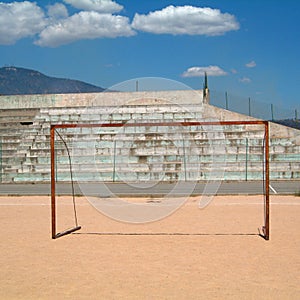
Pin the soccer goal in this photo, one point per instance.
(140, 153)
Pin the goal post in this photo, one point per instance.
(53, 156)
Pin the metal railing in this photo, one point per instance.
(251, 107)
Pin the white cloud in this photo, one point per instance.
(85, 25)
(200, 71)
(19, 20)
(186, 20)
(251, 64)
(57, 11)
(26, 19)
(245, 80)
(101, 6)
(233, 71)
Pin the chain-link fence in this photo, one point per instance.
(253, 108)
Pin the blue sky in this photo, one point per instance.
(249, 48)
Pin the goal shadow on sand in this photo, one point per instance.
(259, 234)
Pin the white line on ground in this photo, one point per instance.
(273, 190)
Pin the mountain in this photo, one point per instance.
(20, 81)
(289, 122)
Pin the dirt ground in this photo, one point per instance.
(211, 253)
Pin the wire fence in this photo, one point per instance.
(250, 107)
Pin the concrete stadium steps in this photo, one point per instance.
(121, 114)
(231, 170)
(130, 157)
(128, 177)
(18, 114)
(18, 130)
(141, 153)
(160, 167)
(83, 159)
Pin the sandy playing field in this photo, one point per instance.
(211, 253)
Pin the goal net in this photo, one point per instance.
(172, 159)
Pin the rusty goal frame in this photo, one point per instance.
(265, 228)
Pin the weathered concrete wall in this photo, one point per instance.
(142, 153)
(106, 99)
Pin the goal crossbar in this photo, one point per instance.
(265, 229)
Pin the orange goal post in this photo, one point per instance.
(53, 156)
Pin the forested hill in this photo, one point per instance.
(20, 81)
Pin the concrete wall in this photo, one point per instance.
(106, 99)
(139, 153)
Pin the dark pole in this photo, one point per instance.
(249, 107)
(226, 99)
(272, 112)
